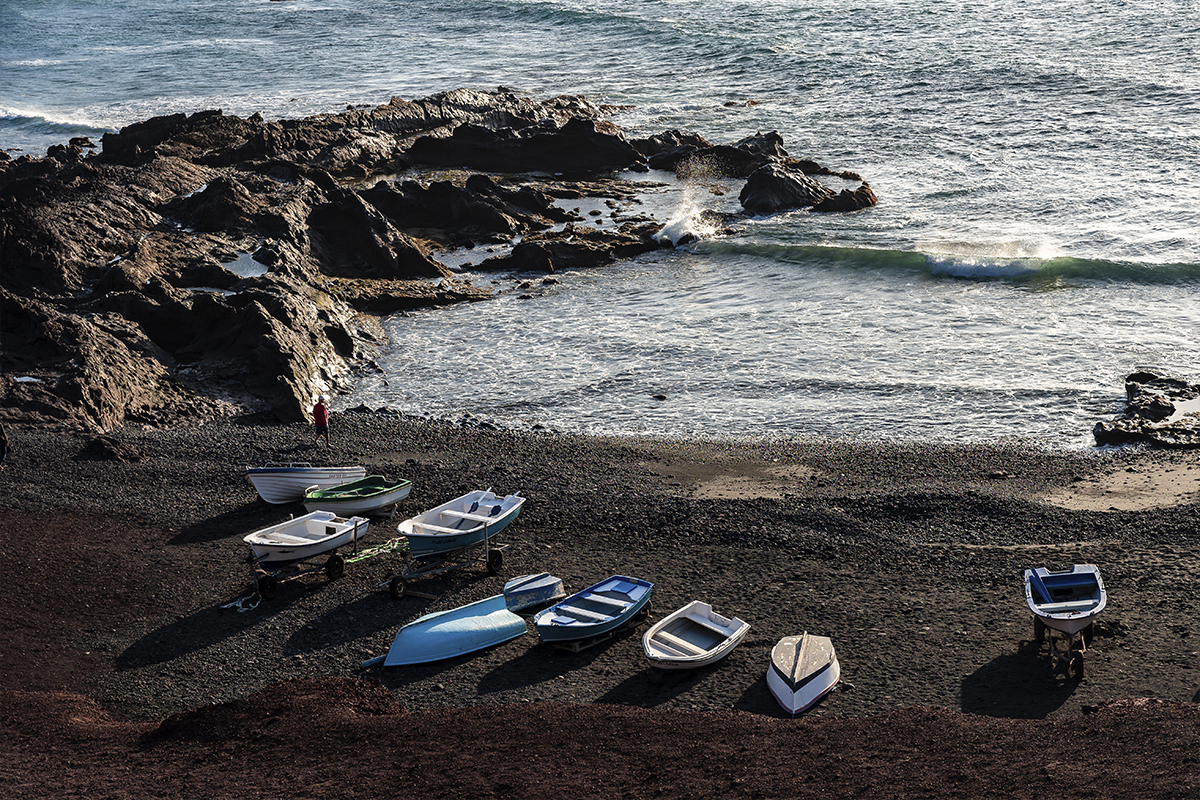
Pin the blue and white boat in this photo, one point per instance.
(446, 634)
(1067, 601)
(595, 611)
(530, 591)
(463, 522)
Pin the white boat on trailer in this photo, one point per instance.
(1065, 605)
(803, 669)
(692, 636)
(285, 483)
(463, 522)
(284, 547)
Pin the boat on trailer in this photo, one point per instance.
(803, 669)
(303, 538)
(285, 483)
(593, 613)
(370, 495)
(1065, 605)
(692, 636)
(463, 522)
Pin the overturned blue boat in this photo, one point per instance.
(446, 634)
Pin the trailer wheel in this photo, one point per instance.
(1077, 665)
(267, 585)
(397, 587)
(335, 566)
(495, 560)
(1039, 630)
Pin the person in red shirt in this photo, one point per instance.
(321, 418)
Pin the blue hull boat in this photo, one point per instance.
(446, 634)
(462, 523)
(529, 591)
(595, 611)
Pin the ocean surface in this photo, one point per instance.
(1037, 236)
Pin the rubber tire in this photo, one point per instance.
(335, 567)
(1077, 665)
(267, 586)
(1039, 630)
(495, 560)
(397, 587)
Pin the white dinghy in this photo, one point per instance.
(693, 636)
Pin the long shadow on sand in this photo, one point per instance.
(1018, 685)
(199, 630)
(363, 617)
(235, 522)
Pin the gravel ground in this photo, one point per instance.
(128, 554)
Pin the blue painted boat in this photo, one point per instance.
(445, 634)
(595, 611)
(528, 591)
(463, 522)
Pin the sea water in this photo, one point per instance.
(1036, 237)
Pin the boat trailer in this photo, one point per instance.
(489, 555)
(1065, 650)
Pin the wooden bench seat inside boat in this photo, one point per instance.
(582, 614)
(676, 643)
(425, 526)
(608, 601)
(465, 515)
(1072, 605)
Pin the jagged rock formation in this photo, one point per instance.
(1159, 411)
(204, 260)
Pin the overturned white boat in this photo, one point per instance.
(284, 483)
(803, 669)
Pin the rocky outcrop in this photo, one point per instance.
(202, 260)
(1159, 411)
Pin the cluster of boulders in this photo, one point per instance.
(118, 302)
(1159, 411)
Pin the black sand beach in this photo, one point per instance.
(125, 554)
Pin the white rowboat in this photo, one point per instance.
(303, 538)
(285, 483)
(463, 522)
(693, 636)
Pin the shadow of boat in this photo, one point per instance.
(237, 522)
(198, 631)
(366, 616)
(1019, 685)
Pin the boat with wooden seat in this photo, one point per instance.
(461, 523)
(692, 636)
(373, 494)
(1065, 605)
(595, 611)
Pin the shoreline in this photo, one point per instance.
(124, 645)
(865, 542)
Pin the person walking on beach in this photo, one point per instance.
(321, 419)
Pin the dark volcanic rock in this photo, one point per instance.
(775, 187)
(1160, 411)
(119, 295)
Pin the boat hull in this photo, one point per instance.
(803, 670)
(446, 634)
(304, 538)
(358, 497)
(1067, 601)
(595, 611)
(286, 483)
(691, 637)
(464, 522)
(529, 591)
